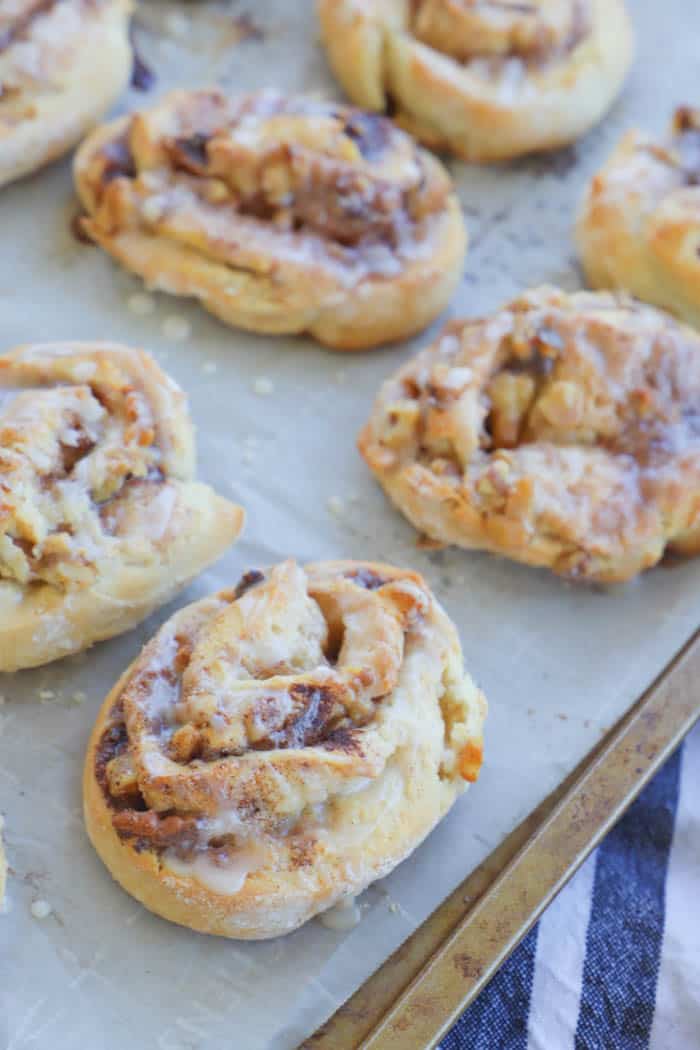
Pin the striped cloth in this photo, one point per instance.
(614, 963)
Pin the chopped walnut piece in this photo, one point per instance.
(511, 395)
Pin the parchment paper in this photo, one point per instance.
(559, 665)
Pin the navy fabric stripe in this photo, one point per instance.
(625, 931)
(498, 1018)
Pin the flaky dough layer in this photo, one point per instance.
(487, 81)
(280, 215)
(278, 747)
(63, 63)
(639, 226)
(101, 518)
(562, 431)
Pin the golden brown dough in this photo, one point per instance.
(278, 747)
(101, 519)
(63, 63)
(278, 214)
(639, 227)
(562, 431)
(487, 79)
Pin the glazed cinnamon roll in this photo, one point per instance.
(278, 214)
(486, 79)
(639, 227)
(279, 746)
(63, 63)
(562, 431)
(101, 519)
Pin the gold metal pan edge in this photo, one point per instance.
(414, 997)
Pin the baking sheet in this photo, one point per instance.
(558, 664)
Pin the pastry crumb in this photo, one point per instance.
(176, 24)
(209, 367)
(336, 506)
(141, 304)
(41, 909)
(79, 697)
(47, 694)
(262, 386)
(176, 328)
(152, 209)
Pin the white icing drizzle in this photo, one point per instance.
(342, 917)
(226, 876)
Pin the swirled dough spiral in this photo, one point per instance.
(487, 79)
(280, 746)
(278, 214)
(63, 63)
(562, 431)
(101, 519)
(639, 227)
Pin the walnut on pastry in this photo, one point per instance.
(639, 226)
(63, 63)
(277, 747)
(280, 215)
(562, 431)
(101, 518)
(486, 79)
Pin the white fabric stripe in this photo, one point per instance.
(676, 1023)
(561, 949)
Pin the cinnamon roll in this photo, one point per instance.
(639, 227)
(562, 431)
(101, 519)
(486, 79)
(63, 63)
(280, 215)
(279, 746)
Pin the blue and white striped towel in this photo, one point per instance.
(614, 963)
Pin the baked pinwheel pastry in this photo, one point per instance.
(562, 431)
(639, 227)
(487, 79)
(63, 63)
(277, 747)
(101, 519)
(279, 214)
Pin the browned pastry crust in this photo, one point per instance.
(101, 519)
(62, 65)
(562, 431)
(639, 227)
(278, 214)
(279, 746)
(487, 79)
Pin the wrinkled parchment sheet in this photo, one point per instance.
(558, 664)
